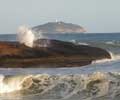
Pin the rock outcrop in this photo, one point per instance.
(48, 53)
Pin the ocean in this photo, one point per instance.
(98, 81)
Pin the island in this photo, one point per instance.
(48, 53)
(58, 27)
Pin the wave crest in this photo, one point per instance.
(47, 86)
(113, 58)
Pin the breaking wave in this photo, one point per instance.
(113, 58)
(85, 87)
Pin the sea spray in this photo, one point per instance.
(10, 84)
(115, 57)
(25, 36)
(38, 35)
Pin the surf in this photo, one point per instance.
(10, 84)
(114, 57)
(84, 86)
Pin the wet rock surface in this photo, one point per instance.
(49, 53)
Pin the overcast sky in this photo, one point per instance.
(94, 15)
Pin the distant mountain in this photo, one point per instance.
(59, 27)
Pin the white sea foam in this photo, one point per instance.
(7, 87)
(79, 43)
(73, 41)
(10, 84)
(110, 42)
(85, 86)
(113, 58)
(101, 61)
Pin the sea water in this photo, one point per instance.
(98, 81)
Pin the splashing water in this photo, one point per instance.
(13, 83)
(98, 85)
(113, 58)
(6, 87)
(25, 36)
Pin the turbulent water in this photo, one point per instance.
(98, 81)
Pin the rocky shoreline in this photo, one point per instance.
(48, 53)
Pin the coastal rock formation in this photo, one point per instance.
(48, 53)
(59, 27)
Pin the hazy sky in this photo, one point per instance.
(94, 15)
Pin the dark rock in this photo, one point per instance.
(70, 49)
(49, 53)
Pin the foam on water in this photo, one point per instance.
(78, 43)
(113, 58)
(82, 86)
(11, 83)
(110, 42)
